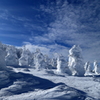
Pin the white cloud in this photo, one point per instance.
(33, 48)
(50, 50)
(72, 24)
(75, 25)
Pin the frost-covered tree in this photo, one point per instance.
(11, 57)
(88, 70)
(39, 60)
(62, 65)
(2, 58)
(31, 60)
(75, 63)
(96, 68)
(54, 62)
(19, 52)
(47, 61)
(86, 65)
(25, 58)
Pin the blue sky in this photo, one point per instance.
(52, 25)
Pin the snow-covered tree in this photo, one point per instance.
(54, 62)
(96, 68)
(62, 65)
(19, 52)
(31, 60)
(88, 70)
(39, 60)
(2, 58)
(11, 57)
(75, 63)
(86, 65)
(25, 58)
(47, 61)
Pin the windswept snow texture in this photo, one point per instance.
(20, 83)
(23, 85)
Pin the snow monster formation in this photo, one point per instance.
(75, 63)
(2, 58)
(26, 58)
(96, 68)
(54, 62)
(11, 57)
(62, 65)
(39, 60)
(88, 70)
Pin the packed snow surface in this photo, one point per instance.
(33, 84)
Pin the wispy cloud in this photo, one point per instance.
(75, 23)
(57, 25)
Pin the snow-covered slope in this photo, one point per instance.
(34, 76)
(39, 85)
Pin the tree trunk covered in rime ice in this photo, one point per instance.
(2, 58)
(75, 63)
